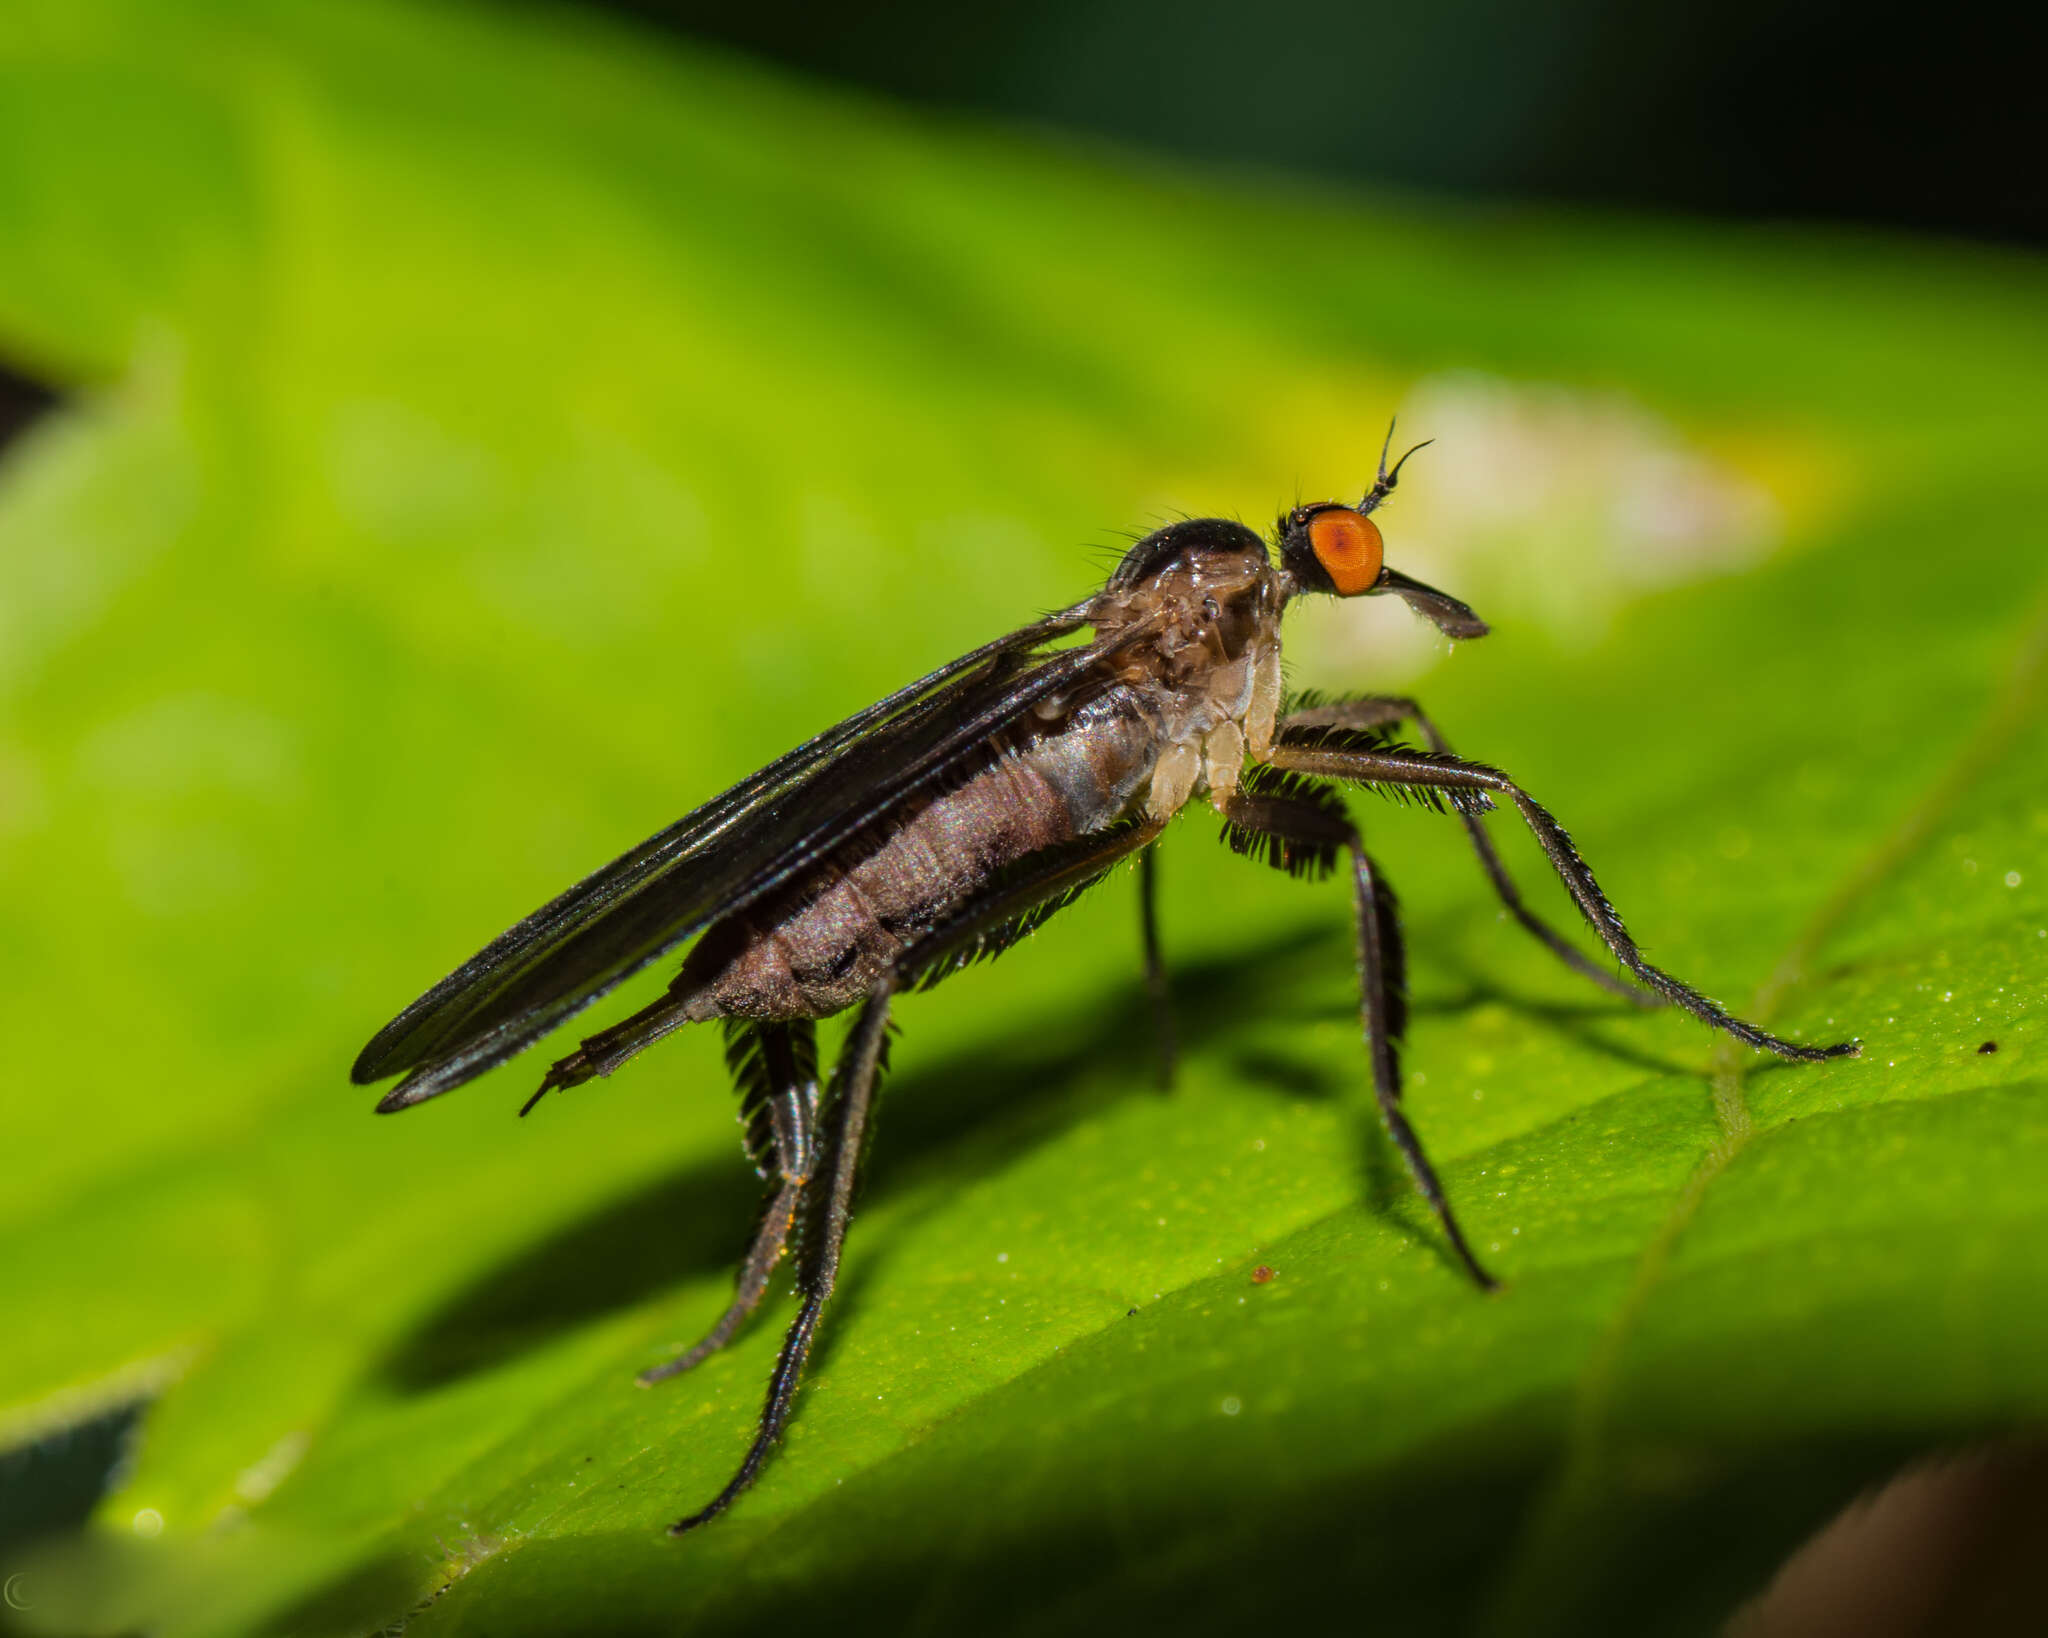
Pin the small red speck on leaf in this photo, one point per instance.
(1261, 1274)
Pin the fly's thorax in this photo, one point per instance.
(1207, 599)
(1200, 607)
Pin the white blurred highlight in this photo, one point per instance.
(1540, 505)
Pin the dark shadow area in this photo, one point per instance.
(1809, 109)
(1954, 1544)
(23, 402)
(1046, 1074)
(1292, 1077)
(1182, 1558)
(1701, 1531)
(691, 1224)
(52, 1485)
(365, 1600)
(1574, 1020)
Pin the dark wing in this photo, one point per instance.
(717, 860)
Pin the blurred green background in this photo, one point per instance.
(451, 441)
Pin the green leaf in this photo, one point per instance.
(489, 434)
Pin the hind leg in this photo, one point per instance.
(776, 1067)
(860, 1068)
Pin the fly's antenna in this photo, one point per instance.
(1383, 485)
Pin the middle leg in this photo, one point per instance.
(1155, 967)
(1301, 827)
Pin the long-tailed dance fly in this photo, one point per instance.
(944, 823)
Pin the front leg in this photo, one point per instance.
(1303, 834)
(1457, 777)
(1384, 711)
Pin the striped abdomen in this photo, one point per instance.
(814, 951)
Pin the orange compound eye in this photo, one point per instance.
(1348, 547)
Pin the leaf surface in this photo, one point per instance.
(489, 434)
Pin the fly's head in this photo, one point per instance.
(1337, 550)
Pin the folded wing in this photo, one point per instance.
(717, 860)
